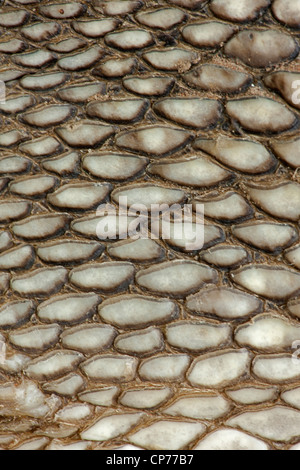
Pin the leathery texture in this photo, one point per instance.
(147, 344)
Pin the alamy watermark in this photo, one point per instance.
(183, 224)
(296, 93)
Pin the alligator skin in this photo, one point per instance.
(149, 344)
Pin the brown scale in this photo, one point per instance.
(150, 344)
